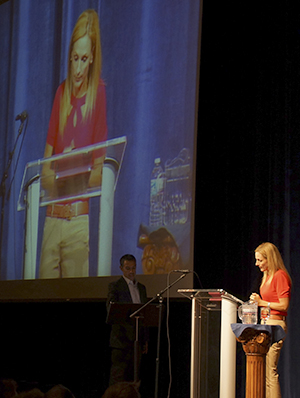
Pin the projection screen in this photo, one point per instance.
(143, 202)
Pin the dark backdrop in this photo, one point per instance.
(247, 189)
(248, 151)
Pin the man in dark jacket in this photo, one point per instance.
(122, 336)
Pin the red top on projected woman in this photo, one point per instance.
(81, 133)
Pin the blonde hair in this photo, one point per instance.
(87, 24)
(275, 262)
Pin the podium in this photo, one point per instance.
(71, 174)
(213, 345)
(119, 313)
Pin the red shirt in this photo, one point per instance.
(279, 287)
(92, 131)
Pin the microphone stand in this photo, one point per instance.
(160, 306)
(3, 189)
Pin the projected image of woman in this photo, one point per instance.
(78, 119)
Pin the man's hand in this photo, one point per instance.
(145, 348)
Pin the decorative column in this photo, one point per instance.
(256, 344)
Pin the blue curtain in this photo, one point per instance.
(150, 70)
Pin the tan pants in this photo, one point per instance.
(65, 248)
(272, 376)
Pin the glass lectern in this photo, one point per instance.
(70, 175)
(213, 345)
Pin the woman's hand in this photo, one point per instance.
(282, 305)
(145, 348)
(69, 148)
(256, 298)
(96, 173)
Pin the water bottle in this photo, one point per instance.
(178, 189)
(157, 187)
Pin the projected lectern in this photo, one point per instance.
(71, 180)
(213, 345)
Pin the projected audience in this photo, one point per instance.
(122, 337)
(275, 293)
(78, 119)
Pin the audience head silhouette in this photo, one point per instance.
(123, 389)
(8, 388)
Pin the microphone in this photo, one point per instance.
(183, 271)
(22, 116)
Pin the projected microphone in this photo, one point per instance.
(183, 271)
(22, 116)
